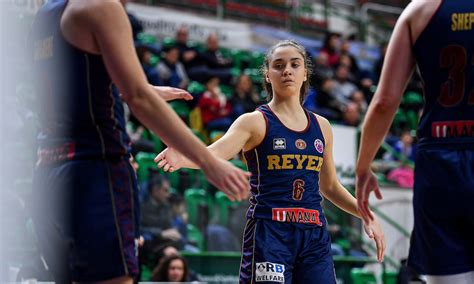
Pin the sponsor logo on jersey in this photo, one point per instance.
(318, 144)
(300, 144)
(296, 215)
(269, 271)
(279, 144)
(452, 129)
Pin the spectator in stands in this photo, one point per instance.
(135, 131)
(404, 147)
(347, 58)
(173, 268)
(215, 108)
(144, 55)
(343, 88)
(330, 47)
(157, 216)
(171, 70)
(351, 114)
(321, 100)
(321, 70)
(359, 99)
(187, 54)
(211, 63)
(245, 98)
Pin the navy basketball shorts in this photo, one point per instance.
(86, 217)
(442, 241)
(274, 252)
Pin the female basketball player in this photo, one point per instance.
(289, 153)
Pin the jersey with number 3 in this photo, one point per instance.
(448, 115)
(285, 171)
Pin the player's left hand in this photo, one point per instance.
(169, 93)
(374, 231)
(170, 160)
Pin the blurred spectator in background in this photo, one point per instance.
(351, 114)
(403, 147)
(171, 71)
(211, 63)
(245, 98)
(321, 70)
(330, 47)
(187, 54)
(172, 268)
(215, 108)
(346, 58)
(343, 88)
(156, 213)
(359, 99)
(144, 55)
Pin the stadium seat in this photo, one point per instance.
(215, 135)
(147, 39)
(195, 237)
(158, 144)
(223, 207)
(255, 75)
(257, 59)
(227, 90)
(145, 162)
(182, 109)
(389, 277)
(241, 58)
(196, 200)
(168, 42)
(195, 87)
(361, 276)
(239, 164)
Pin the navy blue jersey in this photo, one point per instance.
(445, 56)
(285, 172)
(81, 113)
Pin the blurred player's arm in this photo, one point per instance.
(112, 35)
(398, 67)
(245, 133)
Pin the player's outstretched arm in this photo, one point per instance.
(233, 141)
(245, 133)
(332, 189)
(397, 69)
(111, 31)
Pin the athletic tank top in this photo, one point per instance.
(445, 56)
(285, 172)
(81, 114)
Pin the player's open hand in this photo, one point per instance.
(228, 178)
(169, 93)
(366, 182)
(374, 231)
(170, 160)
